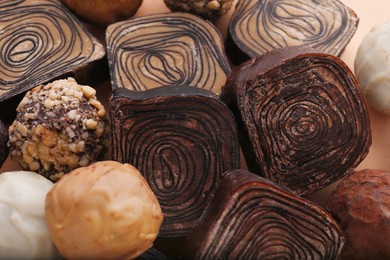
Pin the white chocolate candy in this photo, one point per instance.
(23, 230)
(372, 67)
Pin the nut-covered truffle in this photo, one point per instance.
(58, 127)
(372, 67)
(103, 211)
(24, 233)
(361, 204)
(205, 8)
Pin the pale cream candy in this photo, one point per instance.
(372, 67)
(23, 230)
(103, 211)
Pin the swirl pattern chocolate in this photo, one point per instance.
(257, 26)
(166, 49)
(181, 139)
(40, 40)
(305, 120)
(251, 218)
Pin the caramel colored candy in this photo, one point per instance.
(103, 12)
(41, 40)
(103, 211)
(166, 49)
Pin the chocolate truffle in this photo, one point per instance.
(166, 49)
(206, 8)
(103, 12)
(58, 127)
(182, 139)
(372, 67)
(249, 217)
(302, 118)
(41, 40)
(361, 204)
(259, 26)
(103, 211)
(24, 233)
(4, 149)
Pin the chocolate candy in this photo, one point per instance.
(4, 150)
(304, 123)
(249, 217)
(41, 40)
(181, 139)
(361, 204)
(166, 49)
(210, 9)
(258, 26)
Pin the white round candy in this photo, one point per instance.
(372, 67)
(23, 230)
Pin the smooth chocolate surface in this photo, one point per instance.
(259, 26)
(303, 120)
(166, 49)
(181, 139)
(41, 40)
(249, 217)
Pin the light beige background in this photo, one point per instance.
(370, 12)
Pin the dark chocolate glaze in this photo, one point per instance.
(302, 120)
(181, 139)
(250, 217)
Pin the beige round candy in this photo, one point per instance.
(372, 67)
(103, 211)
(23, 230)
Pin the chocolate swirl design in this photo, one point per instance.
(40, 40)
(181, 139)
(251, 218)
(306, 123)
(258, 26)
(166, 49)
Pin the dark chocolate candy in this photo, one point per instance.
(166, 49)
(153, 254)
(41, 40)
(304, 123)
(4, 150)
(258, 26)
(249, 217)
(181, 139)
(361, 204)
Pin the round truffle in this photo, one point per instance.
(206, 8)
(58, 127)
(372, 67)
(361, 204)
(103, 211)
(24, 233)
(103, 12)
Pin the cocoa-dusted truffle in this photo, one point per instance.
(58, 127)
(361, 204)
(103, 211)
(205, 8)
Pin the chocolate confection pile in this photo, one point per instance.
(158, 135)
